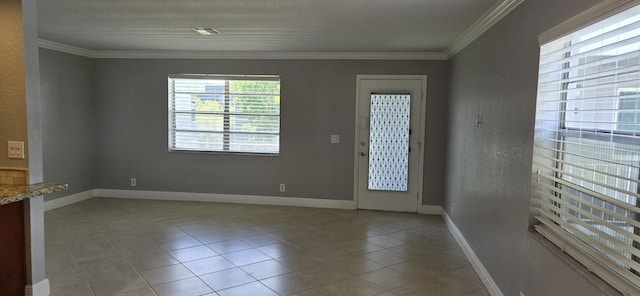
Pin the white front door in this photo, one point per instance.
(389, 138)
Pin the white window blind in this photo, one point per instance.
(586, 167)
(214, 113)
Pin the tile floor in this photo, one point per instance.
(137, 247)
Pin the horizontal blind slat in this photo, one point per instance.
(593, 242)
(588, 203)
(549, 198)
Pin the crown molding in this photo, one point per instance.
(272, 55)
(66, 48)
(596, 13)
(117, 54)
(484, 23)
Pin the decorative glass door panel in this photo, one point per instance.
(389, 126)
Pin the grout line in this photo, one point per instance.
(75, 262)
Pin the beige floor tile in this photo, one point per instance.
(479, 292)
(355, 286)
(324, 274)
(193, 253)
(166, 274)
(208, 265)
(108, 242)
(137, 292)
(185, 287)
(385, 241)
(301, 261)
(229, 246)
(317, 291)
(265, 269)
(279, 250)
(386, 257)
(105, 267)
(144, 263)
(355, 265)
(388, 278)
(262, 240)
(182, 242)
(287, 284)
(117, 283)
(195, 228)
(212, 237)
(245, 257)
(250, 289)
(226, 279)
(71, 288)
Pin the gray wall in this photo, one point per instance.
(66, 88)
(489, 168)
(318, 99)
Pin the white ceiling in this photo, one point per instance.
(409, 26)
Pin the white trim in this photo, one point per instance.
(68, 200)
(40, 289)
(430, 210)
(272, 55)
(211, 197)
(423, 140)
(483, 24)
(42, 43)
(227, 198)
(596, 13)
(482, 272)
(121, 54)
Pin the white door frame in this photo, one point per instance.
(423, 113)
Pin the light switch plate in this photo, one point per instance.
(15, 149)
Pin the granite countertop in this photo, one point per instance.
(15, 193)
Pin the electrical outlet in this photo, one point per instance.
(335, 139)
(282, 187)
(134, 183)
(15, 149)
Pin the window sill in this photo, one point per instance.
(225, 153)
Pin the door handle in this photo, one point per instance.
(363, 154)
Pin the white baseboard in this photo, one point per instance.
(214, 197)
(40, 289)
(228, 198)
(68, 200)
(482, 272)
(430, 210)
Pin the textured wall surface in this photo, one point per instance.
(489, 167)
(13, 110)
(318, 99)
(66, 86)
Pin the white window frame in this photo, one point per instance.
(226, 133)
(548, 204)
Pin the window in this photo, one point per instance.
(213, 113)
(586, 160)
